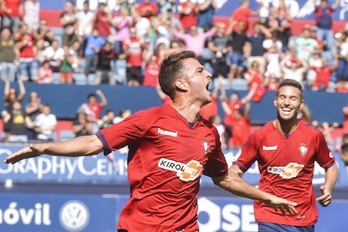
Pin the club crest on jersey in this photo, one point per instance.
(206, 147)
(303, 149)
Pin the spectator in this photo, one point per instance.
(32, 110)
(84, 19)
(10, 97)
(8, 55)
(217, 122)
(45, 74)
(81, 126)
(205, 17)
(12, 12)
(242, 14)
(134, 48)
(121, 24)
(219, 46)
(152, 68)
(344, 154)
(55, 55)
(342, 56)
(323, 76)
(68, 20)
(28, 65)
(32, 14)
(255, 81)
(273, 57)
(15, 121)
(254, 50)
(94, 43)
(304, 44)
(106, 120)
(236, 57)
(66, 70)
(102, 20)
(323, 20)
(294, 68)
(195, 41)
(44, 33)
(92, 108)
(229, 108)
(165, 6)
(188, 13)
(104, 73)
(285, 21)
(123, 114)
(241, 127)
(142, 26)
(147, 9)
(76, 54)
(45, 124)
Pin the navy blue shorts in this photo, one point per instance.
(272, 227)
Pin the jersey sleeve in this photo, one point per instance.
(324, 156)
(125, 132)
(248, 153)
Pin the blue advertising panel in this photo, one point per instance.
(300, 9)
(99, 169)
(90, 213)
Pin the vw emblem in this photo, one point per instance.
(74, 216)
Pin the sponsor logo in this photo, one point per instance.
(185, 172)
(289, 171)
(269, 148)
(303, 149)
(74, 216)
(169, 133)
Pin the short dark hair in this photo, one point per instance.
(293, 83)
(171, 68)
(344, 148)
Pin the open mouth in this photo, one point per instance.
(207, 86)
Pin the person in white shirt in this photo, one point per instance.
(45, 124)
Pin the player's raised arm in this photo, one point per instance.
(79, 146)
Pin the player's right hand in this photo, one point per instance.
(25, 153)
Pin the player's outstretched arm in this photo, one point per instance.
(79, 146)
(233, 183)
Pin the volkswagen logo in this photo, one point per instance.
(74, 216)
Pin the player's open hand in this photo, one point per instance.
(283, 205)
(326, 198)
(25, 153)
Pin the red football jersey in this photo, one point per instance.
(166, 159)
(286, 164)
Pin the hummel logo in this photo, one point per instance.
(164, 132)
(269, 148)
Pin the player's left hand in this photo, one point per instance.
(283, 205)
(326, 198)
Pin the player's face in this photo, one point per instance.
(198, 80)
(288, 102)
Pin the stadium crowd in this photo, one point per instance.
(124, 44)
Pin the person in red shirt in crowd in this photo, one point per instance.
(147, 9)
(134, 48)
(255, 80)
(286, 150)
(12, 14)
(152, 68)
(323, 75)
(188, 14)
(102, 20)
(241, 127)
(170, 148)
(230, 107)
(341, 87)
(243, 13)
(28, 64)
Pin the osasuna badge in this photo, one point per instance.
(303, 149)
(206, 147)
